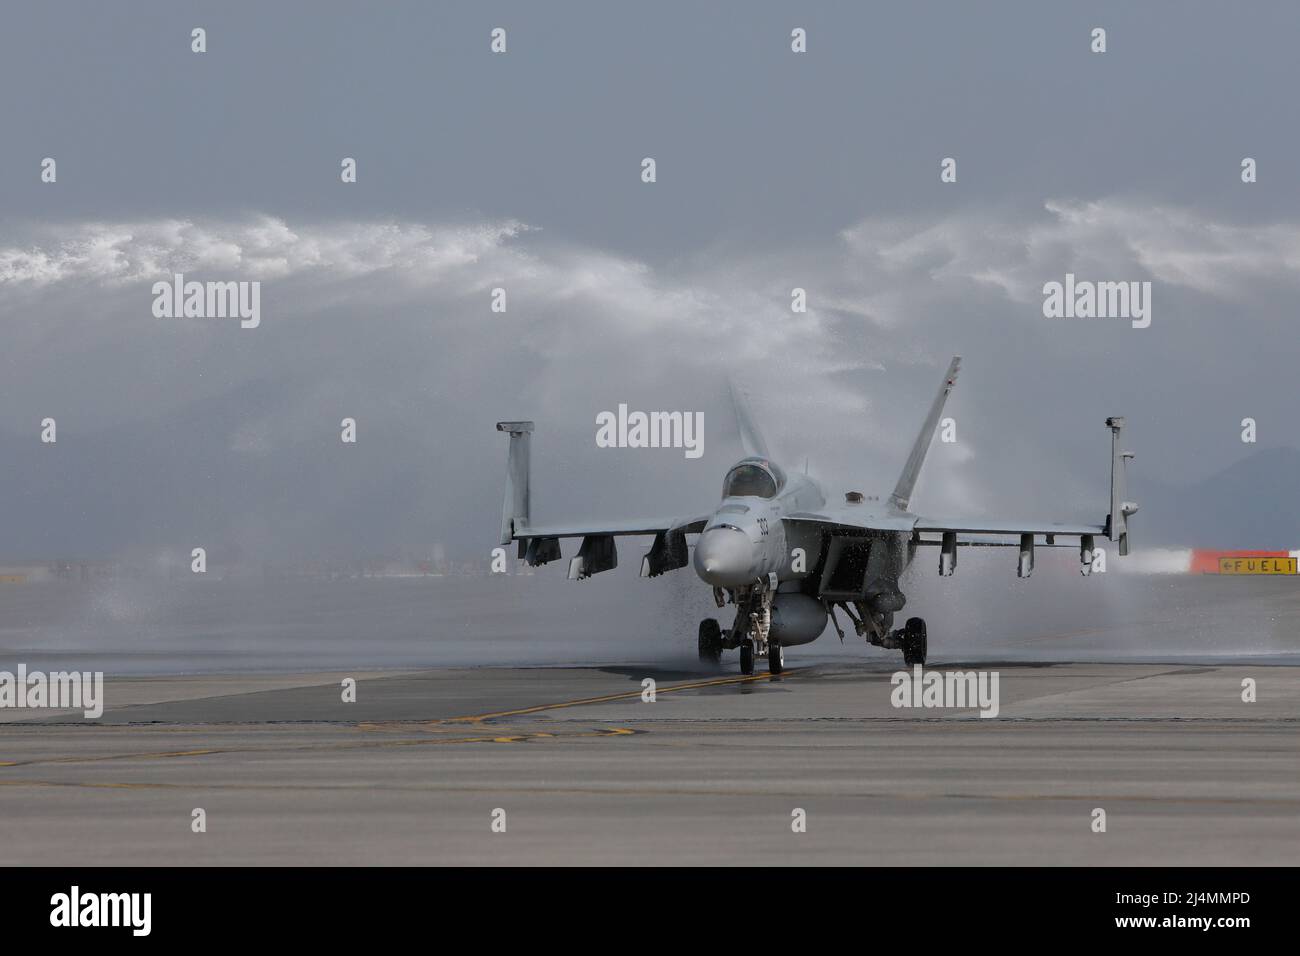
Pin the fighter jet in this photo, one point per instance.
(788, 559)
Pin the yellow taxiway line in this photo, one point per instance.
(397, 726)
(628, 695)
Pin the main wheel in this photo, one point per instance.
(775, 659)
(747, 657)
(914, 643)
(710, 641)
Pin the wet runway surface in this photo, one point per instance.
(713, 770)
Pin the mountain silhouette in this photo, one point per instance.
(1251, 504)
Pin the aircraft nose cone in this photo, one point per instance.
(723, 558)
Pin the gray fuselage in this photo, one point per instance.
(745, 539)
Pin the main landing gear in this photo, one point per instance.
(877, 629)
(913, 641)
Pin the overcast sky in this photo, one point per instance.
(477, 170)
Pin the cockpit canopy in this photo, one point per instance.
(753, 477)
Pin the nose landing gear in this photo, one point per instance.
(712, 642)
(750, 632)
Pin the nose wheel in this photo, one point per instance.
(775, 659)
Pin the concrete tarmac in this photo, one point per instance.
(711, 772)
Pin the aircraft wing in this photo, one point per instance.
(626, 527)
(1026, 535)
(851, 521)
(540, 544)
(844, 520)
(986, 526)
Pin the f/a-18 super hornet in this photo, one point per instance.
(788, 559)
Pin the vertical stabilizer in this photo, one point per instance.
(751, 439)
(902, 495)
(515, 511)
